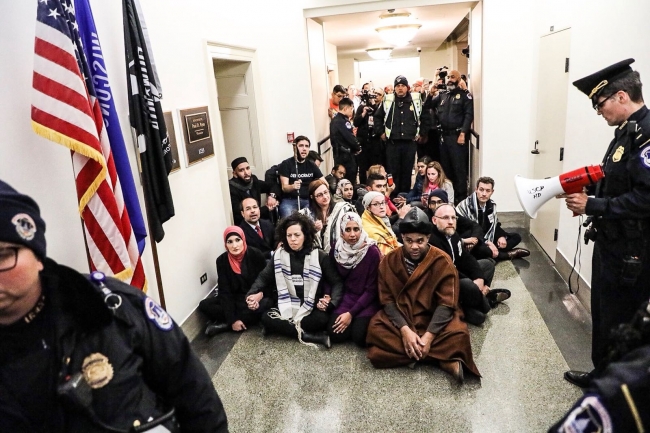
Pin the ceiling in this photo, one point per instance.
(354, 33)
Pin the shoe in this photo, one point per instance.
(495, 296)
(214, 328)
(318, 338)
(455, 369)
(518, 253)
(578, 378)
(473, 317)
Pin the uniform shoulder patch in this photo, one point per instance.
(157, 315)
(348, 125)
(469, 95)
(645, 156)
(588, 415)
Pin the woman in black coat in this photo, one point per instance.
(236, 272)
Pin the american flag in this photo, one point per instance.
(65, 110)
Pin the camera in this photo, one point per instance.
(419, 49)
(443, 72)
(465, 52)
(366, 96)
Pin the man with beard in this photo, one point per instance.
(399, 121)
(420, 319)
(454, 113)
(296, 173)
(244, 184)
(259, 233)
(344, 143)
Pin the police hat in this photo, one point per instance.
(595, 84)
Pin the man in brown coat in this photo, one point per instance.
(420, 321)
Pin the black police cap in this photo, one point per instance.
(594, 84)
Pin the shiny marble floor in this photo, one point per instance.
(273, 384)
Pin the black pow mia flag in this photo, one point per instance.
(147, 120)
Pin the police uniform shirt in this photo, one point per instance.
(341, 136)
(454, 109)
(306, 172)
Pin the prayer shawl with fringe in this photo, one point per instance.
(434, 282)
(469, 209)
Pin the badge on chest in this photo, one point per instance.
(618, 154)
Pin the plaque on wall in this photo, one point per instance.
(195, 123)
(169, 122)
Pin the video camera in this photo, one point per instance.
(443, 72)
(366, 96)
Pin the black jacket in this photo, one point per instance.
(239, 191)
(466, 265)
(343, 141)
(266, 245)
(265, 282)
(403, 120)
(153, 366)
(452, 110)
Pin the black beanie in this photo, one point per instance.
(401, 79)
(235, 162)
(415, 221)
(20, 221)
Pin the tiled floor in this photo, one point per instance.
(276, 384)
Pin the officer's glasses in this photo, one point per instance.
(8, 258)
(600, 104)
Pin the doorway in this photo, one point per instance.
(236, 97)
(551, 124)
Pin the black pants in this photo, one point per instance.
(482, 251)
(487, 266)
(316, 321)
(356, 331)
(350, 164)
(432, 147)
(470, 296)
(400, 157)
(363, 161)
(454, 159)
(213, 309)
(376, 151)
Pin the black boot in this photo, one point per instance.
(215, 328)
(318, 338)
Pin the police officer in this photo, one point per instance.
(454, 112)
(619, 205)
(88, 355)
(343, 141)
(399, 121)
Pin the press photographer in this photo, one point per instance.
(364, 122)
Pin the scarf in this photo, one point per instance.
(346, 255)
(235, 260)
(289, 307)
(332, 232)
(239, 184)
(469, 208)
(339, 189)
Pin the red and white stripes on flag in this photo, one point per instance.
(65, 110)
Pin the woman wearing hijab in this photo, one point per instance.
(293, 284)
(326, 213)
(376, 223)
(236, 272)
(357, 261)
(344, 192)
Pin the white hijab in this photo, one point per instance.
(346, 255)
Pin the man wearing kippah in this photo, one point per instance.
(244, 184)
(619, 208)
(82, 354)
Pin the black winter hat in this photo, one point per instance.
(401, 79)
(416, 221)
(20, 220)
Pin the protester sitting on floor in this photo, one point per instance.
(379, 169)
(337, 173)
(326, 214)
(236, 272)
(376, 223)
(420, 319)
(344, 191)
(469, 231)
(435, 179)
(293, 284)
(315, 157)
(476, 298)
(259, 233)
(357, 261)
(377, 182)
(479, 207)
(416, 192)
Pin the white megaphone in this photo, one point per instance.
(533, 193)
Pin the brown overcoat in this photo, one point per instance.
(434, 282)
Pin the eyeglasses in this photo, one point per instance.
(447, 217)
(8, 258)
(436, 202)
(600, 104)
(378, 204)
(321, 194)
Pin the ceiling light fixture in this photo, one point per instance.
(397, 28)
(379, 53)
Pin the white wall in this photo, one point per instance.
(178, 33)
(383, 72)
(347, 67)
(431, 59)
(318, 60)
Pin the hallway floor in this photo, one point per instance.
(274, 384)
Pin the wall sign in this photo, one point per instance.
(195, 123)
(169, 122)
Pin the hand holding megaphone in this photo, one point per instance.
(533, 193)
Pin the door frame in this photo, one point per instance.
(222, 51)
